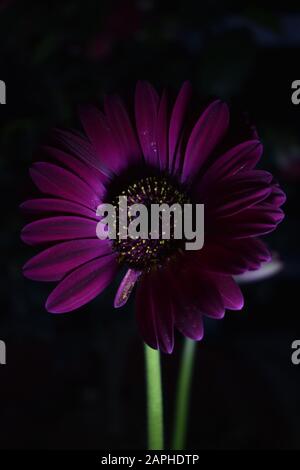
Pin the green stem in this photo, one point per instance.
(154, 399)
(183, 394)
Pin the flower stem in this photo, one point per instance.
(154, 399)
(183, 394)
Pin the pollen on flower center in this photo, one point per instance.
(146, 253)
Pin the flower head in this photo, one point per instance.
(155, 158)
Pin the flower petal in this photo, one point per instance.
(155, 313)
(44, 205)
(81, 148)
(253, 222)
(126, 287)
(161, 133)
(119, 122)
(177, 123)
(82, 285)
(241, 200)
(54, 263)
(242, 157)
(58, 228)
(146, 110)
(103, 138)
(230, 292)
(188, 317)
(189, 320)
(277, 197)
(56, 181)
(207, 133)
(203, 296)
(238, 193)
(93, 177)
(231, 256)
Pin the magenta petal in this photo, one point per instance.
(126, 287)
(177, 122)
(232, 256)
(178, 157)
(253, 222)
(253, 250)
(277, 197)
(108, 149)
(56, 181)
(187, 316)
(161, 133)
(189, 321)
(242, 157)
(54, 263)
(82, 285)
(202, 295)
(230, 292)
(219, 259)
(95, 126)
(81, 148)
(146, 111)
(120, 124)
(154, 313)
(91, 176)
(233, 186)
(146, 314)
(241, 201)
(92, 120)
(238, 193)
(44, 205)
(198, 297)
(164, 312)
(58, 228)
(207, 133)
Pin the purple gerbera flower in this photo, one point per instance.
(157, 154)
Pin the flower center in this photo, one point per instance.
(146, 252)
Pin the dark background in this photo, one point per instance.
(76, 381)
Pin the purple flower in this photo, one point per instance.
(160, 153)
